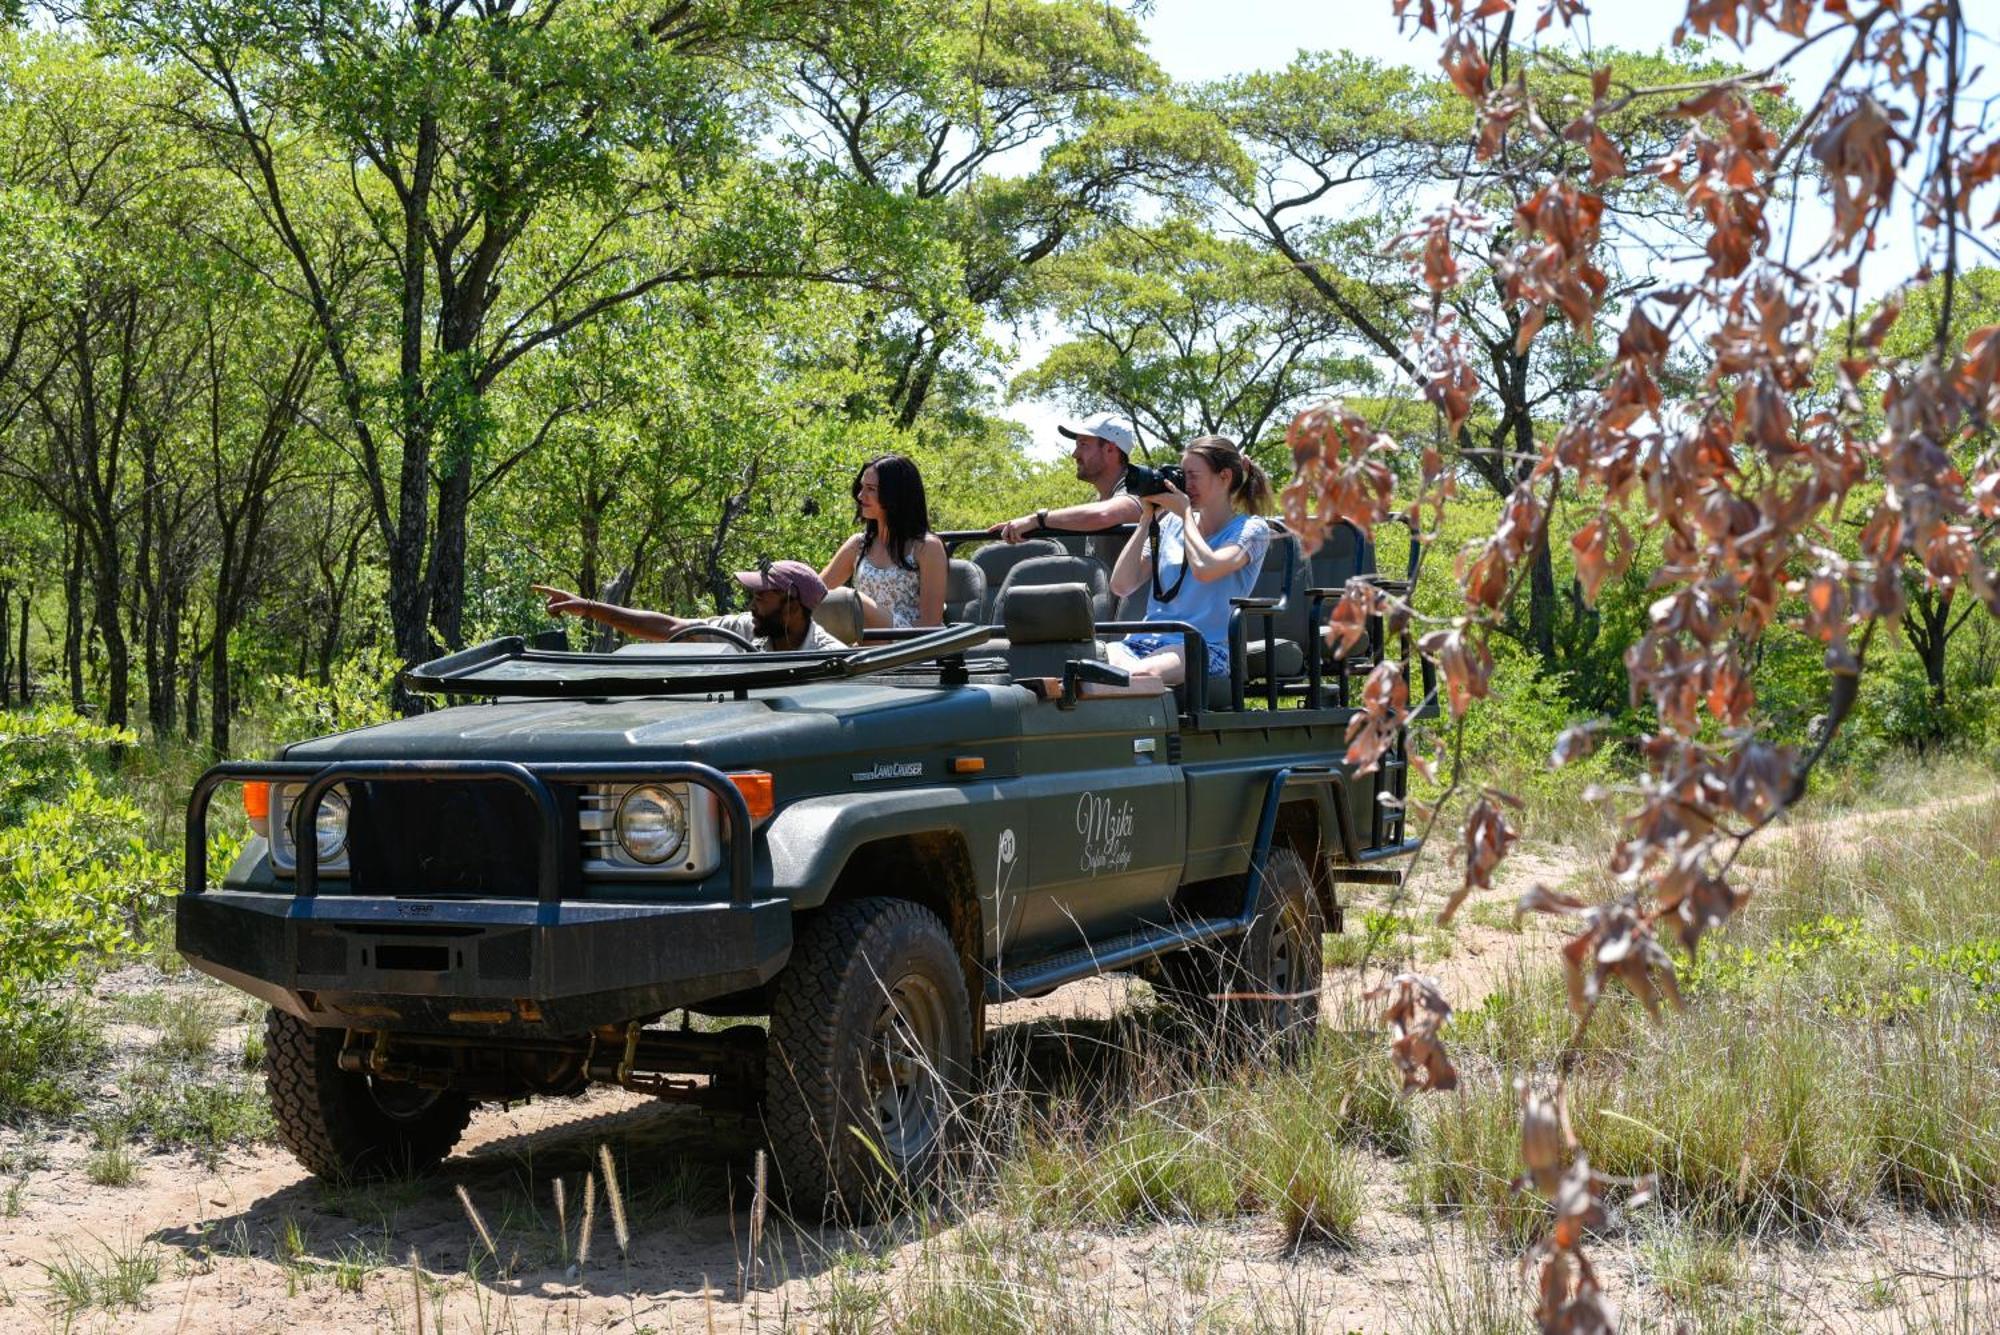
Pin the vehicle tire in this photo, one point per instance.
(1258, 993)
(348, 1127)
(871, 1049)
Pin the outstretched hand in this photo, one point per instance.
(561, 603)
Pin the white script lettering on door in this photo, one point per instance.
(1106, 827)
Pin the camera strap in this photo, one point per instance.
(1160, 591)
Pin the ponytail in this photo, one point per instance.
(1250, 485)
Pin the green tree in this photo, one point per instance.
(1190, 334)
(931, 104)
(457, 187)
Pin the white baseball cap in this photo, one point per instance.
(1106, 426)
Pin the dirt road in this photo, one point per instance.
(248, 1242)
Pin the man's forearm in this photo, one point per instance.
(633, 621)
(1094, 515)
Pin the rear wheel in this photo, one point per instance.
(1258, 991)
(871, 1048)
(350, 1127)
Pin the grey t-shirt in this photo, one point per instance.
(1106, 546)
(818, 637)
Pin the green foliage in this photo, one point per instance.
(356, 696)
(1190, 334)
(75, 875)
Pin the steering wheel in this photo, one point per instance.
(719, 632)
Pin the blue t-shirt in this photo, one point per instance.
(1203, 606)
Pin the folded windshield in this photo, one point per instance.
(507, 666)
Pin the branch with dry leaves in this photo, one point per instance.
(1734, 473)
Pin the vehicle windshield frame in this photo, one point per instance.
(509, 667)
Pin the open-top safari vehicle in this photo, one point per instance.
(505, 896)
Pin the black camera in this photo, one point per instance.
(1143, 481)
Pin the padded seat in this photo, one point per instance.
(1047, 626)
(1291, 659)
(839, 613)
(964, 592)
(995, 560)
(1045, 570)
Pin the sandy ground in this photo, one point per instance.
(251, 1243)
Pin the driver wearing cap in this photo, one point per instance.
(1101, 449)
(783, 597)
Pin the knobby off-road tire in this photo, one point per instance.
(348, 1127)
(871, 1051)
(1258, 993)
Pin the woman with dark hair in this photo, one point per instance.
(1211, 538)
(895, 562)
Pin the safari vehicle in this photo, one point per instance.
(505, 897)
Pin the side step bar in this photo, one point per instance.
(1113, 953)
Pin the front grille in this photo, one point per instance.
(445, 838)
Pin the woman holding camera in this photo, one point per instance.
(1211, 546)
(895, 562)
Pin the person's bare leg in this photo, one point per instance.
(1160, 670)
(872, 617)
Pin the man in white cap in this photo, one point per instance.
(1103, 447)
(783, 597)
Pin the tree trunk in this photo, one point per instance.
(221, 707)
(21, 659)
(191, 703)
(1934, 643)
(6, 644)
(1542, 603)
(117, 651)
(73, 622)
(447, 574)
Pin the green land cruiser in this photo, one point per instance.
(505, 896)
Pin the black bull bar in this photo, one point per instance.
(581, 963)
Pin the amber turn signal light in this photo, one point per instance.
(755, 785)
(968, 764)
(257, 801)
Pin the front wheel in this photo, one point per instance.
(871, 1048)
(348, 1127)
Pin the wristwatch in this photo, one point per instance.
(1041, 519)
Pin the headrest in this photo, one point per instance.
(997, 558)
(1047, 614)
(839, 613)
(1057, 570)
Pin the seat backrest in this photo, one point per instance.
(1047, 625)
(1039, 571)
(1345, 554)
(840, 614)
(964, 592)
(995, 559)
(1281, 577)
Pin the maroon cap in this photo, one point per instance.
(793, 577)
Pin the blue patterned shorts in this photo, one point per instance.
(1151, 643)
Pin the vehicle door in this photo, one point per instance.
(1099, 821)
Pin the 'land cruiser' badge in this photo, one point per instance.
(899, 769)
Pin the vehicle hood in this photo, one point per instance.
(821, 720)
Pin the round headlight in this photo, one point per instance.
(330, 826)
(651, 824)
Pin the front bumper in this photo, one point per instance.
(554, 966)
(504, 967)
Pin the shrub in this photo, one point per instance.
(75, 876)
(356, 695)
